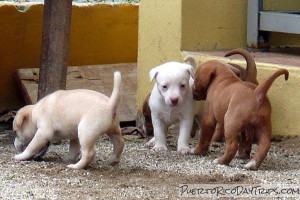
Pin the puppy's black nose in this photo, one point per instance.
(174, 101)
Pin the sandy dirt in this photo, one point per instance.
(141, 173)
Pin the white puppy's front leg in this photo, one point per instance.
(150, 143)
(184, 136)
(160, 143)
(38, 142)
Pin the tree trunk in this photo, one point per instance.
(55, 46)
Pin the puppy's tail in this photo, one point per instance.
(262, 89)
(251, 72)
(115, 97)
(191, 60)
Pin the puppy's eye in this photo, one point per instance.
(182, 86)
(165, 87)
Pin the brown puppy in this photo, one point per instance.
(236, 106)
(248, 75)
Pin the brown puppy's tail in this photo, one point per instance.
(191, 60)
(115, 97)
(262, 89)
(251, 72)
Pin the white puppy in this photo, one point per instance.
(79, 115)
(171, 100)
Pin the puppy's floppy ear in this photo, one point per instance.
(153, 73)
(20, 118)
(18, 121)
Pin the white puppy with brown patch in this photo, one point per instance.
(171, 100)
(79, 115)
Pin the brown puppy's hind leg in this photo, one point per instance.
(231, 130)
(231, 149)
(264, 136)
(245, 143)
(219, 133)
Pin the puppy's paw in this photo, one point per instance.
(22, 156)
(15, 158)
(195, 151)
(252, 165)
(184, 150)
(113, 161)
(192, 151)
(74, 166)
(159, 149)
(151, 143)
(216, 161)
(220, 161)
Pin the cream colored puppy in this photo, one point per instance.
(79, 115)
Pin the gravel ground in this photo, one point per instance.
(141, 173)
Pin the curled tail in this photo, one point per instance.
(191, 60)
(115, 97)
(262, 89)
(251, 72)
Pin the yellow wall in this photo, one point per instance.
(99, 34)
(157, 20)
(213, 24)
(168, 27)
